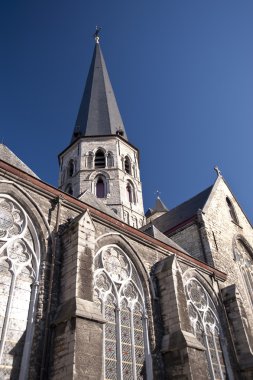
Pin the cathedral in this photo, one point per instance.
(93, 288)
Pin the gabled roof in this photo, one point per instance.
(98, 113)
(30, 181)
(151, 230)
(8, 156)
(182, 212)
(159, 207)
(95, 202)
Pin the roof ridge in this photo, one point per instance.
(195, 196)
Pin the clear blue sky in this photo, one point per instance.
(182, 72)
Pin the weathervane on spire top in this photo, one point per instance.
(96, 34)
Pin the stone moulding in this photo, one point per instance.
(78, 308)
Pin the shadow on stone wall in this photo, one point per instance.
(17, 352)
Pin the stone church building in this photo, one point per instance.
(92, 288)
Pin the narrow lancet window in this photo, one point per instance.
(130, 193)
(127, 165)
(232, 211)
(100, 188)
(71, 168)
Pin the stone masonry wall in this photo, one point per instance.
(189, 239)
(221, 233)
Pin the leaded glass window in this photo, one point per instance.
(19, 264)
(206, 327)
(119, 292)
(244, 259)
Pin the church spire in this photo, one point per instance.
(98, 113)
(100, 162)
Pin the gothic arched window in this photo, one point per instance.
(130, 192)
(100, 187)
(127, 165)
(99, 159)
(119, 292)
(71, 168)
(244, 259)
(206, 326)
(232, 211)
(19, 271)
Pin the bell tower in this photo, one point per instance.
(99, 159)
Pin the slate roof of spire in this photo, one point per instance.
(98, 113)
(8, 156)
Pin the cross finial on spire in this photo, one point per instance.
(157, 193)
(96, 34)
(218, 172)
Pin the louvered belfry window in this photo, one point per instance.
(99, 159)
(119, 293)
(206, 327)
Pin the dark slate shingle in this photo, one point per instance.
(8, 156)
(98, 113)
(182, 212)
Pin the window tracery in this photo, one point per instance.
(244, 259)
(206, 326)
(19, 264)
(119, 292)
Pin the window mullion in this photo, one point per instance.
(217, 356)
(7, 314)
(208, 354)
(147, 354)
(103, 313)
(133, 345)
(118, 345)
